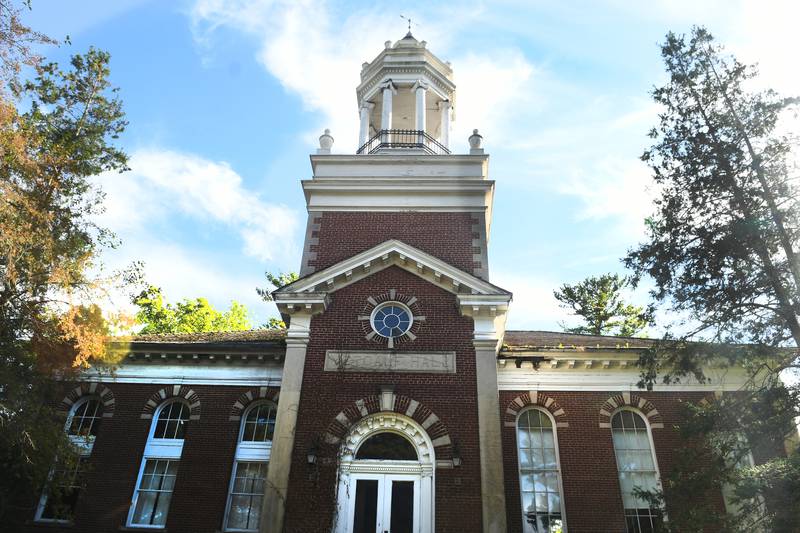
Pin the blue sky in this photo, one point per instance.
(226, 99)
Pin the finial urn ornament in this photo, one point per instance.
(325, 142)
(475, 141)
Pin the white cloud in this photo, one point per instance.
(164, 184)
(534, 306)
(319, 58)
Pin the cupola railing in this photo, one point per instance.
(403, 139)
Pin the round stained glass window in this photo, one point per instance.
(391, 320)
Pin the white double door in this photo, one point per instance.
(384, 503)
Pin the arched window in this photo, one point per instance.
(636, 464)
(162, 453)
(82, 426)
(539, 473)
(85, 418)
(388, 446)
(246, 491)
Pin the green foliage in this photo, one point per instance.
(187, 316)
(722, 249)
(277, 281)
(57, 130)
(599, 302)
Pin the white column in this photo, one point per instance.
(280, 460)
(419, 121)
(363, 133)
(491, 449)
(444, 128)
(386, 110)
(420, 89)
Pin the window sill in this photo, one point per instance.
(134, 528)
(51, 523)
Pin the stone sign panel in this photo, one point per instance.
(385, 361)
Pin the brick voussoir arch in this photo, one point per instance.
(627, 399)
(539, 400)
(173, 391)
(253, 395)
(89, 389)
(425, 417)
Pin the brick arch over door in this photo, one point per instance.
(173, 391)
(425, 417)
(627, 399)
(539, 400)
(246, 398)
(89, 389)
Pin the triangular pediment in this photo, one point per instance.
(387, 254)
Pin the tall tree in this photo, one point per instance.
(57, 129)
(277, 281)
(599, 302)
(722, 249)
(187, 316)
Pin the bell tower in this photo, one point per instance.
(405, 100)
(394, 326)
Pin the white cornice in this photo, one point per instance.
(382, 256)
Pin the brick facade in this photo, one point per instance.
(198, 502)
(592, 497)
(452, 237)
(452, 397)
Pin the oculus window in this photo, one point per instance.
(391, 320)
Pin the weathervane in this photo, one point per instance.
(409, 23)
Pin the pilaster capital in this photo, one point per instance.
(444, 105)
(366, 106)
(389, 85)
(488, 312)
(302, 303)
(419, 84)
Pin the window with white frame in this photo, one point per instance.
(162, 453)
(60, 497)
(246, 491)
(637, 467)
(740, 457)
(539, 473)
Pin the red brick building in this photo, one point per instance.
(395, 401)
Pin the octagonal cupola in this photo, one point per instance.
(406, 100)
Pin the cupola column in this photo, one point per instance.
(386, 110)
(444, 129)
(363, 132)
(420, 90)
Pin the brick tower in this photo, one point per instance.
(388, 417)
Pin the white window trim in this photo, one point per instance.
(155, 449)
(652, 452)
(84, 444)
(389, 303)
(558, 462)
(247, 452)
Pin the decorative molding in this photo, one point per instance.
(316, 286)
(383, 361)
(253, 395)
(388, 403)
(537, 399)
(175, 391)
(627, 399)
(266, 372)
(102, 392)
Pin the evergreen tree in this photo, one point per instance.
(599, 302)
(722, 249)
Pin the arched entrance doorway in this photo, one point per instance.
(386, 477)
